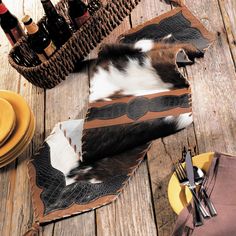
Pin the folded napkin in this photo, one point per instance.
(220, 185)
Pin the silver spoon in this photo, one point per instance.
(199, 177)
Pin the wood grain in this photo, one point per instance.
(142, 208)
(213, 82)
(132, 212)
(9, 79)
(17, 214)
(228, 11)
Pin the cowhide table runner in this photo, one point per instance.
(84, 164)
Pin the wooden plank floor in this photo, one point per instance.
(143, 208)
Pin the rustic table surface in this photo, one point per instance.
(143, 208)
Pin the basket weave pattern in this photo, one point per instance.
(105, 18)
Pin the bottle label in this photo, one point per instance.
(3, 8)
(47, 52)
(32, 28)
(15, 34)
(50, 49)
(82, 19)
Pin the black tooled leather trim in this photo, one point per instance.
(178, 26)
(138, 107)
(56, 195)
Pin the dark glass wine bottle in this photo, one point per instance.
(38, 39)
(10, 25)
(78, 13)
(56, 24)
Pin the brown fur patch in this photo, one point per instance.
(163, 58)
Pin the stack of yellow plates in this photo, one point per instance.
(17, 125)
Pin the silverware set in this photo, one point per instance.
(191, 176)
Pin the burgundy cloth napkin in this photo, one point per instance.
(221, 186)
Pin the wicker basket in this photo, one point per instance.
(105, 17)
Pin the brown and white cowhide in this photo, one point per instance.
(137, 94)
(130, 70)
(143, 68)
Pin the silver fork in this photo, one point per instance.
(202, 192)
(198, 207)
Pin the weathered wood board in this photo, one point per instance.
(142, 208)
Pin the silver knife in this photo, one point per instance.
(192, 185)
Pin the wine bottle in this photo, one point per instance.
(38, 39)
(10, 25)
(56, 24)
(78, 13)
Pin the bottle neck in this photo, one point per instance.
(3, 9)
(49, 9)
(32, 28)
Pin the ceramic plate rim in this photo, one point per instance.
(27, 140)
(15, 100)
(11, 119)
(20, 144)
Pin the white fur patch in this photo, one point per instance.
(136, 80)
(168, 36)
(101, 85)
(95, 181)
(145, 45)
(62, 155)
(183, 120)
(74, 132)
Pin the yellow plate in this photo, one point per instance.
(7, 120)
(21, 144)
(22, 141)
(23, 115)
(13, 154)
(177, 195)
